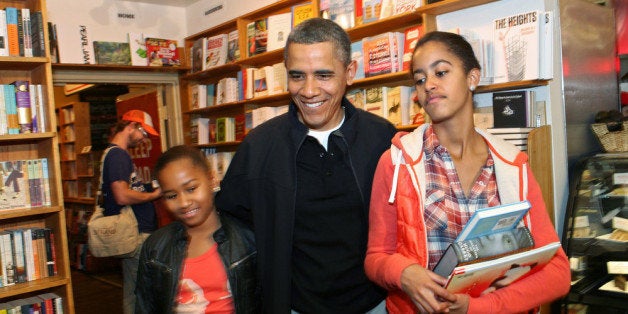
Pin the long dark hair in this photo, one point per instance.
(456, 44)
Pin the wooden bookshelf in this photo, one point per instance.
(44, 144)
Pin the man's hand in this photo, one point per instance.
(425, 288)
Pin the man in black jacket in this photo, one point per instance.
(303, 180)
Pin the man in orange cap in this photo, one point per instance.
(122, 186)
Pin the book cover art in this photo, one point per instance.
(411, 37)
(10, 103)
(493, 219)
(16, 189)
(74, 43)
(473, 279)
(388, 8)
(371, 10)
(260, 85)
(250, 39)
(357, 97)
(378, 54)
(516, 41)
(393, 105)
(481, 248)
(109, 52)
(162, 52)
(375, 101)
(279, 27)
(342, 12)
(261, 36)
(198, 54)
(233, 46)
(510, 109)
(357, 55)
(137, 49)
(403, 6)
(302, 12)
(216, 51)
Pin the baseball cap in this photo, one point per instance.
(142, 118)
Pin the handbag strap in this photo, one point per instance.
(98, 198)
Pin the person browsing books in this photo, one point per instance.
(430, 182)
(203, 262)
(303, 179)
(122, 186)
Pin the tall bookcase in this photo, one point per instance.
(37, 70)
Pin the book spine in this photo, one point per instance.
(12, 33)
(13, 126)
(27, 38)
(18, 256)
(4, 41)
(23, 106)
(37, 34)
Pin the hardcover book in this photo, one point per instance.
(216, 51)
(512, 109)
(411, 37)
(393, 105)
(375, 100)
(371, 10)
(494, 219)
(233, 46)
(302, 12)
(108, 52)
(482, 248)
(517, 42)
(261, 36)
(342, 12)
(162, 52)
(279, 27)
(357, 55)
(198, 54)
(137, 49)
(403, 6)
(473, 279)
(37, 34)
(378, 54)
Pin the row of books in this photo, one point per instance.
(228, 129)
(22, 108)
(45, 303)
(209, 52)
(24, 183)
(249, 83)
(393, 103)
(21, 33)
(138, 50)
(270, 33)
(351, 13)
(385, 53)
(27, 254)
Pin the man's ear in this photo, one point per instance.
(351, 70)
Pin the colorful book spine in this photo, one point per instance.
(12, 34)
(23, 106)
(10, 104)
(4, 41)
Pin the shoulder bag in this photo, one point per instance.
(115, 235)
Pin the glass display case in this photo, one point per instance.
(596, 233)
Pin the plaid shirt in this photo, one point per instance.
(447, 208)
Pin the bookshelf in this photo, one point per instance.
(44, 144)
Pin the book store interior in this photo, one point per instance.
(482, 144)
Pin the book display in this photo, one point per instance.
(34, 247)
(259, 51)
(595, 236)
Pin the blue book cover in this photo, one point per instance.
(494, 219)
(357, 54)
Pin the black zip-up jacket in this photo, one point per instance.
(260, 185)
(161, 263)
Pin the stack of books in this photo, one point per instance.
(492, 250)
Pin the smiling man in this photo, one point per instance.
(303, 180)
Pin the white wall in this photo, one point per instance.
(206, 14)
(101, 16)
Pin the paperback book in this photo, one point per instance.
(162, 52)
(494, 219)
(108, 52)
(484, 248)
(512, 109)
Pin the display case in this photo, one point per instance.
(595, 235)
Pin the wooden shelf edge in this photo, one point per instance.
(448, 6)
(33, 286)
(79, 200)
(26, 212)
(28, 137)
(224, 144)
(510, 86)
(118, 68)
